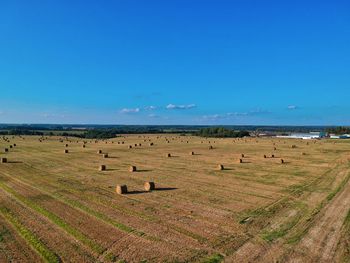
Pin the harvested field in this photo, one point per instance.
(59, 207)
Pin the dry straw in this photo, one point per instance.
(121, 189)
(149, 186)
(132, 168)
(220, 167)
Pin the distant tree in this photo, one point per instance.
(221, 132)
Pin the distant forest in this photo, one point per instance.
(110, 131)
(221, 132)
(339, 130)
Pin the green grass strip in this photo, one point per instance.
(44, 252)
(215, 258)
(77, 204)
(309, 219)
(97, 248)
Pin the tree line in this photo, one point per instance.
(339, 130)
(221, 132)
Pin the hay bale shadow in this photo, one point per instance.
(136, 192)
(165, 189)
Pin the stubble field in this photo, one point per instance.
(58, 207)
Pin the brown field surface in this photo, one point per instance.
(59, 207)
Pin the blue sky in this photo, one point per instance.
(175, 62)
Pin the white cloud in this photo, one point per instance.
(258, 111)
(237, 114)
(52, 115)
(150, 107)
(130, 110)
(292, 107)
(213, 117)
(180, 107)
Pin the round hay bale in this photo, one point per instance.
(210, 147)
(149, 186)
(220, 167)
(240, 160)
(282, 161)
(10, 146)
(6, 150)
(168, 155)
(66, 145)
(14, 145)
(121, 189)
(140, 144)
(272, 156)
(132, 168)
(105, 155)
(264, 156)
(99, 151)
(83, 146)
(3, 160)
(102, 167)
(191, 153)
(303, 153)
(135, 144)
(274, 148)
(151, 144)
(65, 151)
(294, 146)
(242, 155)
(130, 147)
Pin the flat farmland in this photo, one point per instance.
(59, 207)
